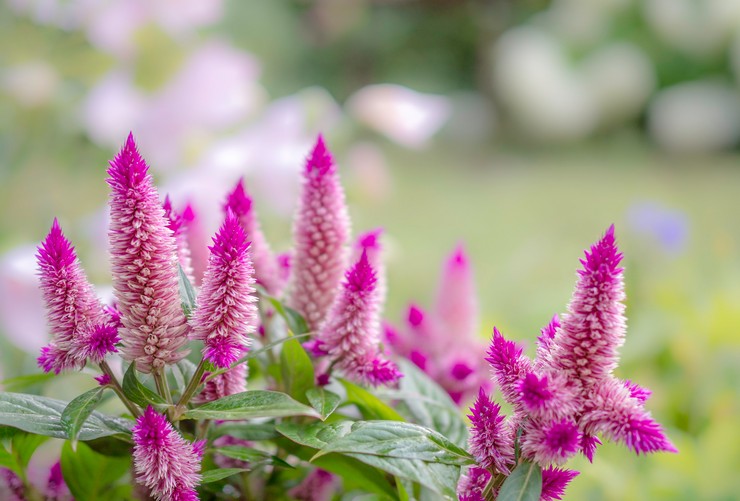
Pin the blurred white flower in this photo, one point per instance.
(403, 115)
(700, 116)
(22, 317)
(31, 84)
(113, 108)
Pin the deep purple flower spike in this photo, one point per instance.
(266, 270)
(320, 230)
(226, 313)
(71, 305)
(165, 462)
(144, 266)
(491, 440)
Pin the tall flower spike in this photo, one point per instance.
(265, 265)
(164, 461)
(351, 333)
(585, 347)
(144, 265)
(456, 303)
(554, 482)
(71, 304)
(226, 312)
(320, 231)
(509, 365)
(369, 242)
(491, 440)
(178, 224)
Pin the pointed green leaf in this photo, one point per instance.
(138, 393)
(323, 400)
(24, 445)
(187, 292)
(251, 404)
(297, 370)
(295, 321)
(369, 405)
(316, 435)
(524, 484)
(219, 474)
(78, 410)
(246, 431)
(89, 475)
(42, 415)
(8, 461)
(27, 381)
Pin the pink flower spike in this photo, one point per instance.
(473, 483)
(56, 488)
(379, 371)
(592, 331)
(491, 440)
(369, 242)
(226, 313)
(103, 379)
(554, 482)
(553, 442)
(456, 302)
(265, 266)
(588, 446)
(96, 342)
(508, 364)
(164, 461)
(638, 392)
(71, 304)
(545, 342)
(179, 225)
(547, 397)
(144, 266)
(321, 231)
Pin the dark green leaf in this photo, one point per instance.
(316, 435)
(524, 484)
(323, 400)
(219, 474)
(369, 405)
(89, 475)
(187, 293)
(251, 404)
(78, 410)
(42, 415)
(295, 321)
(109, 446)
(23, 382)
(138, 393)
(245, 431)
(422, 401)
(297, 370)
(250, 455)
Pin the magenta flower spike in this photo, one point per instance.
(230, 382)
(179, 225)
(491, 440)
(350, 335)
(266, 270)
(144, 266)
(554, 482)
(472, 484)
(56, 488)
(226, 313)
(167, 464)
(370, 243)
(456, 303)
(320, 231)
(71, 305)
(509, 365)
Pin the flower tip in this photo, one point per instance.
(459, 257)
(238, 199)
(370, 239)
(320, 160)
(362, 276)
(415, 315)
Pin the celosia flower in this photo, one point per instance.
(71, 304)
(551, 442)
(554, 482)
(548, 397)
(196, 240)
(226, 313)
(144, 266)
(95, 342)
(508, 364)
(103, 379)
(56, 488)
(456, 303)
(320, 230)
(491, 440)
(233, 381)
(369, 242)
(471, 485)
(11, 485)
(178, 224)
(265, 265)
(350, 336)
(319, 485)
(164, 461)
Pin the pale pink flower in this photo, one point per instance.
(456, 303)
(144, 266)
(178, 223)
(321, 230)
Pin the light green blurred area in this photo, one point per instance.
(525, 215)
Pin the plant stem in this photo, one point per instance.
(191, 388)
(160, 379)
(202, 429)
(119, 391)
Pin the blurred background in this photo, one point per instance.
(521, 128)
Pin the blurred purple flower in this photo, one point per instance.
(666, 227)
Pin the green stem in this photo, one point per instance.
(160, 380)
(119, 391)
(203, 429)
(191, 388)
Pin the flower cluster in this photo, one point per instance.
(568, 395)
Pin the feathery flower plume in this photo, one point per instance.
(471, 485)
(179, 224)
(509, 365)
(554, 482)
(165, 462)
(226, 313)
(544, 343)
(553, 442)
(144, 265)
(95, 342)
(230, 382)
(491, 440)
(11, 485)
(369, 242)
(456, 303)
(265, 265)
(320, 230)
(351, 332)
(71, 304)
(103, 379)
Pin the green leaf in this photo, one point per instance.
(43, 416)
(182, 372)
(369, 405)
(246, 431)
(24, 445)
(187, 293)
(89, 475)
(253, 456)
(295, 321)
(297, 370)
(524, 484)
(324, 401)
(422, 401)
(316, 435)
(8, 461)
(398, 440)
(251, 404)
(219, 474)
(78, 410)
(138, 393)
(27, 381)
